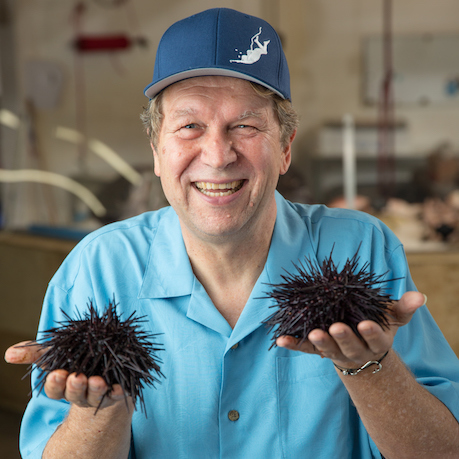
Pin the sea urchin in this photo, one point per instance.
(102, 345)
(318, 296)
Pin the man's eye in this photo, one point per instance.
(246, 128)
(189, 131)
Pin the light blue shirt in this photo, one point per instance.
(290, 405)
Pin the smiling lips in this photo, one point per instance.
(219, 189)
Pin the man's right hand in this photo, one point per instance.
(105, 435)
(76, 389)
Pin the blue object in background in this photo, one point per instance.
(452, 87)
(58, 232)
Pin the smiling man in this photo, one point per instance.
(219, 158)
(221, 130)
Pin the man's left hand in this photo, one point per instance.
(345, 348)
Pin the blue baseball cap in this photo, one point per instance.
(225, 42)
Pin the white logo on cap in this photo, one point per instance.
(253, 55)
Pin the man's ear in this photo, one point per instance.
(156, 168)
(287, 155)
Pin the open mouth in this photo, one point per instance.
(219, 189)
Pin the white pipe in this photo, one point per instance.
(115, 160)
(9, 119)
(50, 178)
(103, 151)
(349, 162)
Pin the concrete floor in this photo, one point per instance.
(9, 434)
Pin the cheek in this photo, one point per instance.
(270, 160)
(174, 160)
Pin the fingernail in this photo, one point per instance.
(8, 355)
(97, 388)
(59, 378)
(339, 334)
(77, 384)
(366, 331)
(287, 342)
(425, 298)
(11, 354)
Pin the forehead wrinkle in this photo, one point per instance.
(184, 112)
(179, 113)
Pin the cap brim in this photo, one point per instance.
(154, 89)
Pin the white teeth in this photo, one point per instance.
(217, 186)
(208, 187)
(221, 193)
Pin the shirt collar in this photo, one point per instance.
(289, 245)
(291, 241)
(168, 272)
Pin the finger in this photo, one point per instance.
(98, 396)
(23, 353)
(351, 347)
(325, 344)
(296, 344)
(377, 339)
(97, 388)
(355, 350)
(287, 341)
(404, 309)
(117, 392)
(55, 384)
(76, 389)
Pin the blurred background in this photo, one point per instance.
(376, 84)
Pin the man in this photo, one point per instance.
(221, 133)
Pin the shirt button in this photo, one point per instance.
(235, 346)
(233, 415)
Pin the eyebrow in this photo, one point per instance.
(250, 114)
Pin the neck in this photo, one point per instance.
(229, 269)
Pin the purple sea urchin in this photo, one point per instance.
(318, 296)
(103, 345)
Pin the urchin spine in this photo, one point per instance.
(318, 296)
(103, 345)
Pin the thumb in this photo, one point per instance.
(25, 352)
(408, 304)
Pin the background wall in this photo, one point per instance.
(105, 89)
(324, 47)
(100, 94)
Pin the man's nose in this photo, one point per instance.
(218, 151)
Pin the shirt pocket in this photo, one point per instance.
(316, 417)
